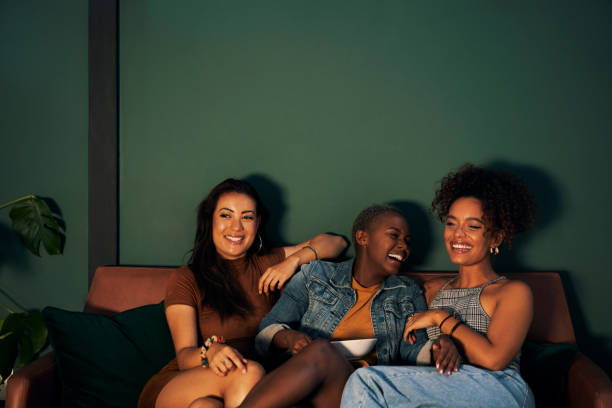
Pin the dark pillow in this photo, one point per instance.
(545, 367)
(105, 361)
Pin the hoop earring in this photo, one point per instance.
(260, 243)
(494, 251)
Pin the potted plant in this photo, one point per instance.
(23, 334)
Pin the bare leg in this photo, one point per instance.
(199, 387)
(207, 402)
(318, 372)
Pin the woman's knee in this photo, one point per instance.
(242, 383)
(189, 386)
(322, 353)
(255, 372)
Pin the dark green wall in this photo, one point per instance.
(332, 106)
(327, 108)
(43, 128)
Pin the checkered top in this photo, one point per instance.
(465, 304)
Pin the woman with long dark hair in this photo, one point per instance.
(214, 305)
(486, 314)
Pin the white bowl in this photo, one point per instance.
(353, 349)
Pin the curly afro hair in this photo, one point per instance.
(365, 217)
(507, 204)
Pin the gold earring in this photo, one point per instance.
(494, 251)
(260, 243)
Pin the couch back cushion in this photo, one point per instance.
(551, 321)
(118, 288)
(115, 289)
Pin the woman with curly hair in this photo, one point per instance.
(486, 314)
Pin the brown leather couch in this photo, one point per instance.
(119, 288)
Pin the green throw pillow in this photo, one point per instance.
(545, 367)
(105, 361)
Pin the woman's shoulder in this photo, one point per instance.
(182, 287)
(182, 273)
(182, 280)
(510, 288)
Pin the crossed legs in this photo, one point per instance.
(317, 373)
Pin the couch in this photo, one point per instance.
(117, 289)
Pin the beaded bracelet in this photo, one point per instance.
(207, 343)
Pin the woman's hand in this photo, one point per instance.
(422, 320)
(223, 358)
(292, 340)
(276, 276)
(445, 355)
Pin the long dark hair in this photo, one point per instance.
(219, 289)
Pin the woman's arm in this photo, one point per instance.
(325, 245)
(507, 329)
(182, 324)
(322, 246)
(287, 312)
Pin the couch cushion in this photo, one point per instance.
(115, 289)
(105, 361)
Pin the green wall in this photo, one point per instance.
(331, 106)
(43, 128)
(327, 108)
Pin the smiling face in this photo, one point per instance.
(465, 235)
(385, 244)
(234, 225)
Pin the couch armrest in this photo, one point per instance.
(588, 385)
(34, 385)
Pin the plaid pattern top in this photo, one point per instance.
(464, 303)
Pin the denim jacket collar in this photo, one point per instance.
(343, 275)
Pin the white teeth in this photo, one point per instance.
(234, 239)
(396, 257)
(461, 246)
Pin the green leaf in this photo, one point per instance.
(25, 352)
(35, 329)
(13, 323)
(29, 334)
(8, 353)
(34, 222)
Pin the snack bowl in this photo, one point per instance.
(353, 349)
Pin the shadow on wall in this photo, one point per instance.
(12, 252)
(273, 197)
(420, 230)
(13, 255)
(550, 207)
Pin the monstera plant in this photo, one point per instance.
(23, 334)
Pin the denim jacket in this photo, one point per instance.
(319, 296)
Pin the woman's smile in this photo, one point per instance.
(235, 223)
(460, 247)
